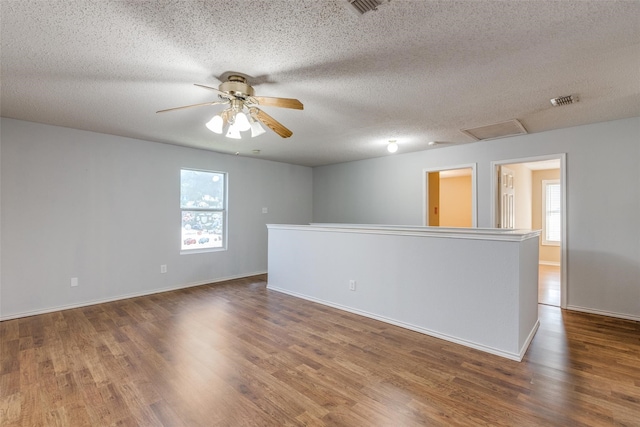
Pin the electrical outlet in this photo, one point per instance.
(265, 210)
(352, 285)
(163, 268)
(74, 282)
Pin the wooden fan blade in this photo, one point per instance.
(193, 105)
(279, 102)
(271, 123)
(219, 92)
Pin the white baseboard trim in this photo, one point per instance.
(127, 296)
(554, 263)
(512, 356)
(525, 346)
(604, 313)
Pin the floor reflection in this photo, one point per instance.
(549, 285)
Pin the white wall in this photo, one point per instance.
(602, 215)
(416, 282)
(105, 209)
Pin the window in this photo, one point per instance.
(551, 214)
(203, 206)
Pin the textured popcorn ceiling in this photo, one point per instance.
(414, 71)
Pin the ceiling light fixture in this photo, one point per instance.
(256, 128)
(234, 120)
(216, 124)
(233, 132)
(241, 122)
(392, 147)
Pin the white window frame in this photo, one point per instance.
(223, 210)
(545, 184)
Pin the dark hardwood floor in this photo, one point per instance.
(235, 354)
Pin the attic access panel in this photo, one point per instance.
(497, 130)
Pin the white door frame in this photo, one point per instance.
(425, 190)
(563, 190)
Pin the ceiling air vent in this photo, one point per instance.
(364, 6)
(564, 100)
(498, 130)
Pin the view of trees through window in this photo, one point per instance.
(203, 206)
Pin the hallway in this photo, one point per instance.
(549, 285)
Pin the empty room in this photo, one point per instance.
(319, 213)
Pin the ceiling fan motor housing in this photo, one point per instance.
(237, 86)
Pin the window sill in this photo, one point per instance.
(201, 251)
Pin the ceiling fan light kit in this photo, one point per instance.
(216, 124)
(256, 128)
(233, 133)
(241, 122)
(239, 95)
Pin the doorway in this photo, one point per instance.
(530, 194)
(450, 196)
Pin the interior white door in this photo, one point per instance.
(507, 198)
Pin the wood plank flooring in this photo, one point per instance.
(549, 285)
(236, 354)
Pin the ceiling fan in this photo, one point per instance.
(239, 95)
